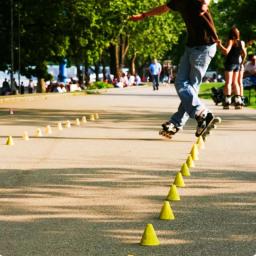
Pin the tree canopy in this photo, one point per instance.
(90, 32)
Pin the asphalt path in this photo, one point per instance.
(91, 190)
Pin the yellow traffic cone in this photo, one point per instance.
(173, 194)
(190, 163)
(48, 129)
(39, 132)
(84, 120)
(96, 115)
(149, 237)
(92, 118)
(185, 170)
(166, 212)
(9, 141)
(200, 143)
(77, 122)
(68, 124)
(60, 126)
(25, 136)
(179, 182)
(194, 152)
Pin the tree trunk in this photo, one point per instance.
(79, 74)
(86, 75)
(104, 70)
(97, 70)
(132, 65)
(124, 46)
(117, 64)
(41, 88)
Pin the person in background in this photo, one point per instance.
(6, 89)
(137, 79)
(155, 70)
(235, 53)
(250, 69)
(31, 86)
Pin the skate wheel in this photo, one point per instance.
(206, 133)
(218, 120)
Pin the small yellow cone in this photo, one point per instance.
(84, 120)
(173, 194)
(149, 237)
(60, 126)
(25, 136)
(48, 129)
(166, 212)
(92, 118)
(200, 143)
(178, 181)
(67, 124)
(194, 152)
(96, 115)
(77, 122)
(39, 132)
(9, 141)
(190, 163)
(185, 170)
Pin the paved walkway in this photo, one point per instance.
(91, 190)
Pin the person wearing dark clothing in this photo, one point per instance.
(235, 56)
(22, 88)
(6, 89)
(199, 51)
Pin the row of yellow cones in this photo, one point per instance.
(149, 237)
(48, 129)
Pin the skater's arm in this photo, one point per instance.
(204, 8)
(225, 50)
(155, 11)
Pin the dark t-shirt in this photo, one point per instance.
(234, 54)
(201, 29)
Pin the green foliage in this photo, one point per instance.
(205, 89)
(205, 92)
(99, 85)
(83, 31)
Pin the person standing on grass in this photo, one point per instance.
(199, 51)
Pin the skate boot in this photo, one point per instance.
(226, 102)
(243, 99)
(205, 123)
(169, 129)
(238, 102)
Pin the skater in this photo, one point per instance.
(250, 71)
(155, 70)
(235, 57)
(199, 51)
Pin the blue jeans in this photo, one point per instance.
(192, 68)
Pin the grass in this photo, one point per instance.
(205, 92)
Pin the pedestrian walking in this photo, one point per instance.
(155, 70)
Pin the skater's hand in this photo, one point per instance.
(204, 7)
(137, 17)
